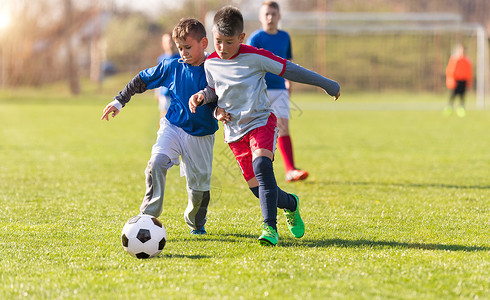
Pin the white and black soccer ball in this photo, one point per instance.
(143, 236)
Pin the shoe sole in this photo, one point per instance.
(265, 242)
(302, 177)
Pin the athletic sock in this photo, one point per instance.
(264, 172)
(284, 200)
(286, 147)
(255, 191)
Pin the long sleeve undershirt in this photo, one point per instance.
(294, 73)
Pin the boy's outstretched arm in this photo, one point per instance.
(136, 85)
(299, 74)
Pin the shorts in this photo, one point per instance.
(259, 138)
(279, 100)
(196, 153)
(460, 87)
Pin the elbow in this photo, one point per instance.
(335, 89)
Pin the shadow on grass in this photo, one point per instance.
(290, 242)
(414, 185)
(380, 244)
(222, 237)
(169, 255)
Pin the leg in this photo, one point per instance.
(164, 155)
(156, 173)
(264, 172)
(284, 200)
(460, 91)
(197, 208)
(268, 193)
(448, 110)
(284, 144)
(197, 162)
(280, 104)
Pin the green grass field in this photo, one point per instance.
(396, 206)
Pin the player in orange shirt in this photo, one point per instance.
(459, 77)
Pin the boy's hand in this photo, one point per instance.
(194, 101)
(109, 109)
(336, 97)
(221, 115)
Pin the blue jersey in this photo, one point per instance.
(164, 90)
(280, 45)
(182, 81)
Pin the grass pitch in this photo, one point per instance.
(396, 206)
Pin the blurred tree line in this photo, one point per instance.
(53, 40)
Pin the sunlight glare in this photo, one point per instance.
(4, 19)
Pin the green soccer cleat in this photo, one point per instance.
(448, 110)
(293, 218)
(269, 236)
(461, 112)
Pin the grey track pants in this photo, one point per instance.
(156, 174)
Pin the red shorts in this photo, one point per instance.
(259, 138)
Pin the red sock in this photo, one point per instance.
(286, 147)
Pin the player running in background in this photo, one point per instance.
(162, 93)
(190, 136)
(459, 77)
(278, 89)
(235, 75)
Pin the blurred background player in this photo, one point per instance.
(162, 93)
(278, 89)
(459, 76)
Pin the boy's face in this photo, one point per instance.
(227, 46)
(192, 50)
(269, 18)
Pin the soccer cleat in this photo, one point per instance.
(296, 175)
(293, 218)
(461, 112)
(269, 236)
(448, 110)
(198, 231)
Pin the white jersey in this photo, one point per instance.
(240, 86)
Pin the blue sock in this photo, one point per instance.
(264, 172)
(255, 191)
(284, 200)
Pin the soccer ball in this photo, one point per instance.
(143, 236)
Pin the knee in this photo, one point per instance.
(159, 161)
(262, 165)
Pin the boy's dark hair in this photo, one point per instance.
(228, 21)
(272, 4)
(189, 27)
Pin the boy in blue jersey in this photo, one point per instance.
(235, 74)
(190, 136)
(162, 93)
(278, 89)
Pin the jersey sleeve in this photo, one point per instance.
(156, 76)
(271, 63)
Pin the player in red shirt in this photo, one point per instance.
(459, 77)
